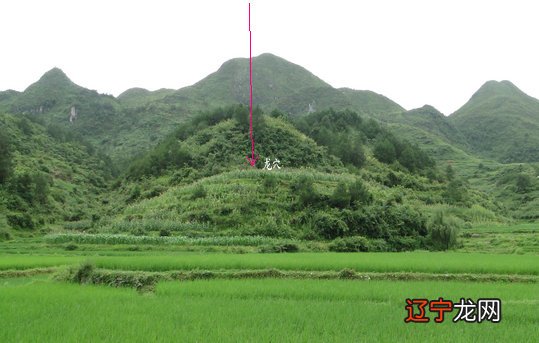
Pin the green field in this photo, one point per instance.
(166, 293)
(255, 310)
(427, 262)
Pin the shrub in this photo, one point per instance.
(378, 245)
(367, 221)
(407, 243)
(83, 273)
(134, 195)
(138, 231)
(20, 221)
(349, 244)
(164, 233)
(269, 181)
(340, 197)
(5, 158)
(304, 188)
(71, 247)
(523, 183)
(443, 231)
(199, 192)
(384, 151)
(359, 193)
(328, 226)
(4, 235)
(279, 248)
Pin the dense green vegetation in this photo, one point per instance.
(345, 175)
(501, 122)
(50, 175)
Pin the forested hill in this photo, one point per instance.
(501, 122)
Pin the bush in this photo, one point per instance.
(20, 221)
(349, 244)
(4, 235)
(71, 247)
(443, 231)
(340, 197)
(138, 231)
(378, 245)
(164, 233)
(367, 221)
(384, 151)
(408, 243)
(5, 158)
(523, 183)
(304, 188)
(269, 181)
(328, 226)
(279, 248)
(83, 273)
(199, 192)
(359, 193)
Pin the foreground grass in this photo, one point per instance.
(425, 262)
(255, 310)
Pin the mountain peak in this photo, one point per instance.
(497, 88)
(55, 73)
(55, 78)
(426, 110)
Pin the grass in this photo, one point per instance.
(519, 238)
(425, 262)
(177, 240)
(256, 310)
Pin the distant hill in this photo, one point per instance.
(140, 96)
(118, 127)
(501, 122)
(138, 119)
(278, 84)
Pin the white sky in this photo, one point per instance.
(415, 52)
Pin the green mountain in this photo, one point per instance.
(500, 122)
(139, 96)
(170, 137)
(138, 119)
(52, 174)
(345, 175)
(430, 129)
(118, 127)
(278, 84)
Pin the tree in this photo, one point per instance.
(328, 226)
(455, 192)
(449, 172)
(352, 152)
(340, 197)
(523, 183)
(359, 194)
(304, 188)
(5, 158)
(384, 151)
(41, 189)
(443, 231)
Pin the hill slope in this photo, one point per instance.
(278, 84)
(501, 122)
(54, 176)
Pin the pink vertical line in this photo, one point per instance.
(251, 91)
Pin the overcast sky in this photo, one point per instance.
(414, 52)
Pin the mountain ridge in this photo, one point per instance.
(500, 121)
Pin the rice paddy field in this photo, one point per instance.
(166, 294)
